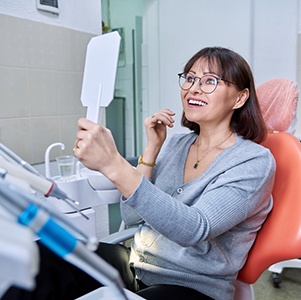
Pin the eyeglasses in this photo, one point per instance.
(208, 83)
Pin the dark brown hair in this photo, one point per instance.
(246, 121)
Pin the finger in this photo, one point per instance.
(168, 116)
(77, 146)
(76, 143)
(85, 124)
(162, 117)
(155, 119)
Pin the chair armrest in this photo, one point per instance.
(119, 236)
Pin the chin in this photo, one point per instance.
(192, 117)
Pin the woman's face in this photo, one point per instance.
(214, 108)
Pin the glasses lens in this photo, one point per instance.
(208, 84)
(186, 81)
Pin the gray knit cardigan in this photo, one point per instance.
(198, 234)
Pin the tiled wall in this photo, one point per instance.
(41, 69)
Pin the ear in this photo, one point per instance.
(241, 99)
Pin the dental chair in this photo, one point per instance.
(278, 243)
(279, 99)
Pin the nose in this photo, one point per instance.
(196, 87)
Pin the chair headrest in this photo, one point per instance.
(278, 100)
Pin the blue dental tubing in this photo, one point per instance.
(46, 187)
(27, 211)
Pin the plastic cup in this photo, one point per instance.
(66, 166)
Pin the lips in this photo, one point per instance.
(196, 102)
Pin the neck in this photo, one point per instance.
(210, 139)
(208, 149)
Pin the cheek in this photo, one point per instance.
(183, 95)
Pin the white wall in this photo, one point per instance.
(262, 31)
(82, 15)
(275, 39)
(299, 17)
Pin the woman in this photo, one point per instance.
(200, 196)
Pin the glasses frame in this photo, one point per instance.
(200, 78)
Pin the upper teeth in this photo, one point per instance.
(200, 103)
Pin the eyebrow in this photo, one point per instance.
(205, 73)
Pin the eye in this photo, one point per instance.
(208, 80)
(189, 78)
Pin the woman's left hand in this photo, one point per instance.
(155, 127)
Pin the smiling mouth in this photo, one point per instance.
(196, 102)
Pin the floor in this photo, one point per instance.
(290, 286)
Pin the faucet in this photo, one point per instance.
(47, 169)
